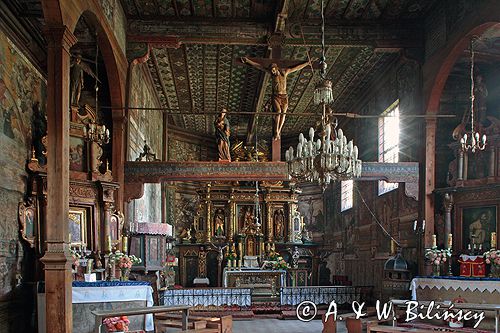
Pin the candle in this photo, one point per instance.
(450, 241)
(262, 248)
(393, 247)
(124, 244)
(69, 237)
(110, 244)
(434, 243)
(415, 225)
(423, 225)
(493, 240)
(468, 247)
(240, 249)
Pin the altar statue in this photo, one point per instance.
(219, 222)
(279, 97)
(76, 78)
(222, 132)
(279, 224)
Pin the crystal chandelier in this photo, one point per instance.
(330, 157)
(471, 140)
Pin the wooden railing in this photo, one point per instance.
(101, 314)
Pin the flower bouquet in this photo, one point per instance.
(117, 324)
(492, 257)
(280, 263)
(125, 263)
(437, 258)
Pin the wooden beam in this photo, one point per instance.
(255, 32)
(138, 173)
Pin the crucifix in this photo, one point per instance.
(279, 70)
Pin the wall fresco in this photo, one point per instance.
(22, 88)
(145, 126)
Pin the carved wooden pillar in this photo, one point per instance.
(119, 155)
(460, 167)
(231, 226)
(466, 166)
(108, 211)
(448, 206)
(291, 209)
(57, 259)
(208, 235)
(270, 230)
(491, 164)
(430, 169)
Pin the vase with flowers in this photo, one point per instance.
(437, 258)
(124, 263)
(492, 258)
(117, 324)
(280, 263)
(75, 256)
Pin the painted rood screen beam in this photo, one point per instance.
(156, 172)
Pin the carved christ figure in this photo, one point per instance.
(279, 96)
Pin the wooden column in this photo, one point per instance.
(119, 155)
(430, 169)
(231, 226)
(208, 235)
(57, 259)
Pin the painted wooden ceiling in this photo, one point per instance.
(202, 75)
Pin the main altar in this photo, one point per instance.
(237, 228)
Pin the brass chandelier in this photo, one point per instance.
(330, 157)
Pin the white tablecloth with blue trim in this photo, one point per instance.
(117, 293)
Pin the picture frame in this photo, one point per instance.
(28, 222)
(476, 225)
(77, 226)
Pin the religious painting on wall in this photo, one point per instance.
(477, 225)
(77, 220)
(28, 222)
(77, 154)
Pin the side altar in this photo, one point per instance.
(262, 282)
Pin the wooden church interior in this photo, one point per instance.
(148, 184)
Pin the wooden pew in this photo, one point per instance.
(101, 314)
(392, 329)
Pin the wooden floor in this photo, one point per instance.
(279, 326)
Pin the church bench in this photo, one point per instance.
(102, 314)
(223, 324)
(392, 329)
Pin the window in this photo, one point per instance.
(388, 142)
(346, 195)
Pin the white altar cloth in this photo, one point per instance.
(472, 284)
(116, 294)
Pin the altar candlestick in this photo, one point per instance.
(262, 248)
(240, 249)
(434, 243)
(110, 244)
(493, 240)
(450, 241)
(124, 244)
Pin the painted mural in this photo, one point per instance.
(181, 151)
(145, 126)
(22, 88)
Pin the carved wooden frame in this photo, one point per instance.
(82, 214)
